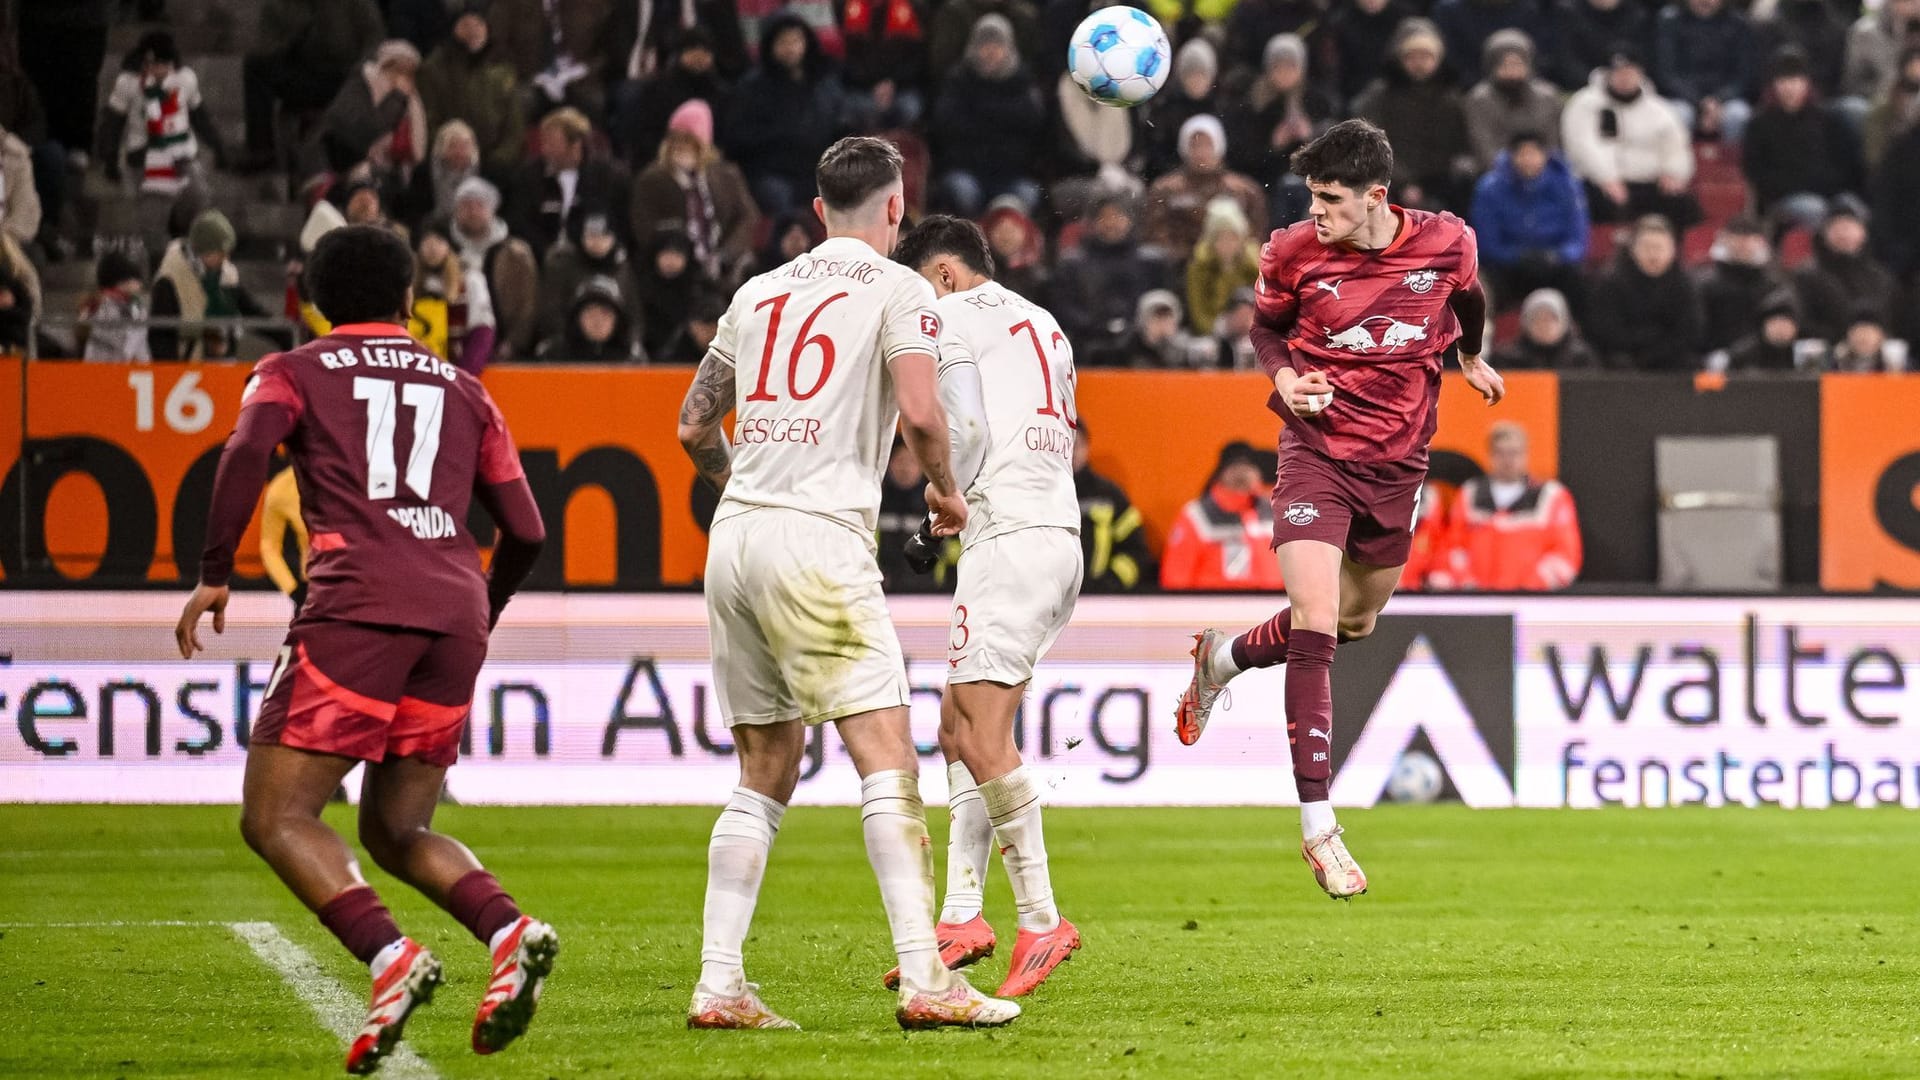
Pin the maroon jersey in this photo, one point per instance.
(1376, 322)
(388, 444)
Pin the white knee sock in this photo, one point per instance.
(969, 846)
(1013, 805)
(736, 861)
(1315, 818)
(894, 822)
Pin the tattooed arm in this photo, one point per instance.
(701, 432)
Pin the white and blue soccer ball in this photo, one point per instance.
(1119, 56)
(1416, 778)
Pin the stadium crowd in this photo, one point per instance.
(1655, 187)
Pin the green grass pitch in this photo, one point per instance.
(1567, 944)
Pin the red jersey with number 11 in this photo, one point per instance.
(1377, 322)
(388, 443)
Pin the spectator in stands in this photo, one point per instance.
(1773, 342)
(1177, 202)
(646, 37)
(1738, 280)
(303, 54)
(1417, 104)
(19, 296)
(1704, 65)
(1469, 26)
(599, 254)
(1549, 339)
(467, 79)
(376, 118)
(512, 274)
(1097, 286)
(1866, 346)
(886, 70)
(1894, 109)
(1896, 212)
(567, 184)
(155, 121)
(1798, 152)
(782, 116)
(197, 280)
(708, 307)
(1253, 23)
(1357, 38)
(1189, 93)
(120, 283)
(1875, 44)
(953, 24)
(669, 281)
(452, 313)
(20, 209)
(1630, 147)
(1590, 31)
(1821, 33)
(1233, 333)
(1113, 541)
(1843, 275)
(1158, 339)
(1225, 260)
(1224, 539)
(1510, 531)
(1645, 313)
(644, 107)
(598, 330)
(1091, 150)
(690, 185)
(455, 157)
(23, 115)
(1019, 249)
(1510, 100)
(792, 236)
(1531, 216)
(989, 124)
(1272, 119)
(559, 49)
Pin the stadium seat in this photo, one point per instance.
(1796, 247)
(1602, 240)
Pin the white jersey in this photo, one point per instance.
(814, 412)
(1027, 389)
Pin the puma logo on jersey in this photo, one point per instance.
(1333, 288)
(425, 522)
(1318, 734)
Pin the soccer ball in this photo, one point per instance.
(1119, 56)
(1416, 778)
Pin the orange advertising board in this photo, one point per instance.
(1869, 482)
(123, 457)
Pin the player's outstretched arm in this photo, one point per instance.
(923, 424)
(702, 433)
(244, 465)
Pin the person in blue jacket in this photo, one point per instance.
(1531, 215)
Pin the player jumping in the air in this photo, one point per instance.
(1356, 309)
(389, 444)
(839, 346)
(1006, 377)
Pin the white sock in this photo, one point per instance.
(736, 861)
(969, 846)
(894, 821)
(1220, 666)
(385, 957)
(1013, 805)
(1315, 818)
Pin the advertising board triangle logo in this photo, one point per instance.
(1421, 697)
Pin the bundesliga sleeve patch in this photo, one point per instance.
(929, 325)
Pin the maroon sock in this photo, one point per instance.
(481, 905)
(1310, 711)
(361, 922)
(1264, 645)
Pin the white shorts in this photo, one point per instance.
(800, 628)
(1015, 595)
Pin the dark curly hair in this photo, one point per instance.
(360, 273)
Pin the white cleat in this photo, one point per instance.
(1333, 868)
(959, 1005)
(741, 1012)
(1196, 701)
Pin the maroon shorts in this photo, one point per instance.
(371, 692)
(1367, 509)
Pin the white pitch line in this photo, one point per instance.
(337, 1010)
(109, 924)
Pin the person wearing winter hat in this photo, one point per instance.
(1843, 274)
(1420, 109)
(1280, 114)
(118, 300)
(1510, 100)
(1176, 204)
(1226, 259)
(1189, 92)
(989, 126)
(198, 280)
(1549, 340)
(1799, 152)
(1741, 275)
(1866, 346)
(1776, 341)
(512, 273)
(691, 186)
(598, 331)
(599, 254)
